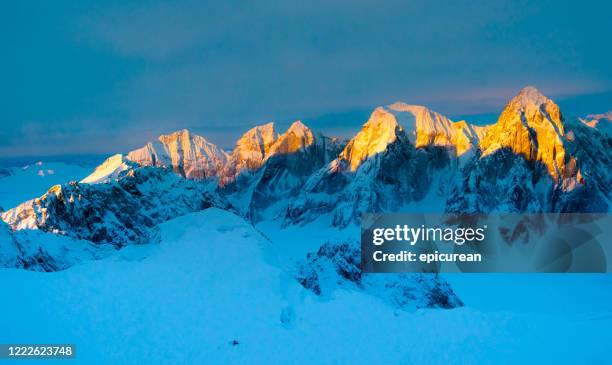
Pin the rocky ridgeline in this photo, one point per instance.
(530, 160)
(405, 157)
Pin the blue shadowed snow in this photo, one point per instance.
(211, 293)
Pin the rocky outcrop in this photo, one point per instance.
(284, 175)
(533, 160)
(380, 169)
(36, 250)
(531, 125)
(429, 128)
(288, 162)
(405, 157)
(119, 213)
(250, 152)
(191, 156)
(337, 265)
(375, 136)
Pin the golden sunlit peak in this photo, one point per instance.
(259, 137)
(298, 128)
(530, 125)
(530, 94)
(426, 127)
(374, 137)
(296, 138)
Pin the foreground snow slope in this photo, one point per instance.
(213, 280)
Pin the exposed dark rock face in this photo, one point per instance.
(399, 175)
(30, 250)
(118, 213)
(503, 182)
(337, 264)
(188, 155)
(282, 177)
(405, 157)
(532, 160)
(506, 182)
(265, 174)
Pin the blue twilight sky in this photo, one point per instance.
(106, 76)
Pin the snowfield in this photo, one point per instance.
(211, 292)
(18, 184)
(182, 253)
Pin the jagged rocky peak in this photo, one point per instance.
(299, 129)
(422, 126)
(120, 213)
(426, 127)
(380, 169)
(249, 153)
(252, 148)
(297, 138)
(109, 169)
(260, 143)
(295, 156)
(374, 137)
(537, 109)
(26, 214)
(530, 125)
(531, 100)
(189, 155)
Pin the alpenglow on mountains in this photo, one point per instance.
(404, 158)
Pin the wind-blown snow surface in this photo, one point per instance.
(18, 184)
(211, 293)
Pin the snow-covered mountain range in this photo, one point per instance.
(404, 158)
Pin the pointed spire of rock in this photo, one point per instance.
(530, 96)
(296, 138)
(250, 151)
(530, 125)
(257, 141)
(298, 128)
(374, 137)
